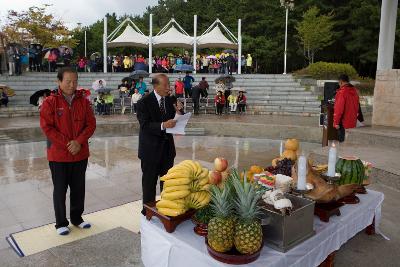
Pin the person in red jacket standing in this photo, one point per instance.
(219, 102)
(346, 107)
(67, 120)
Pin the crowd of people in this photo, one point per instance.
(226, 99)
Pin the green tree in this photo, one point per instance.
(37, 25)
(315, 32)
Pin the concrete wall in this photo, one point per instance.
(386, 111)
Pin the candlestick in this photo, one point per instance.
(302, 173)
(332, 160)
(281, 149)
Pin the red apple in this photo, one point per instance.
(220, 164)
(214, 177)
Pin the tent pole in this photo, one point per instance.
(151, 44)
(194, 43)
(239, 46)
(105, 45)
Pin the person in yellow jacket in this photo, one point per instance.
(232, 100)
(249, 63)
(109, 102)
(127, 63)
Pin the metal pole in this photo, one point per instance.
(85, 52)
(105, 45)
(85, 46)
(284, 62)
(151, 44)
(194, 43)
(239, 46)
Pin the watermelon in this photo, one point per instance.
(351, 170)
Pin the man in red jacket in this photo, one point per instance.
(346, 107)
(67, 120)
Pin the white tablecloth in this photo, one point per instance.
(185, 248)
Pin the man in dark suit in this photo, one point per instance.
(156, 113)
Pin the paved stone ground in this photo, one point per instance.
(116, 247)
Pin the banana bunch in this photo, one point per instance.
(185, 187)
(321, 168)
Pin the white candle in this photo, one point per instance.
(302, 173)
(281, 149)
(332, 160)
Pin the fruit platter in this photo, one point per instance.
(238, 211)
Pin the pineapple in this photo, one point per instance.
(248, 231)
(221, 227)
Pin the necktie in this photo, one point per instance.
(162, 107)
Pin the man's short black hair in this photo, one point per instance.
(344, 78)
(61, 71)
(203, 78)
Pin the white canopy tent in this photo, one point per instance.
(172, 37)
(213, 37)
(129, 37)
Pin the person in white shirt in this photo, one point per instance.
(135, 98)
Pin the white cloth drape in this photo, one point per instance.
(184, 248)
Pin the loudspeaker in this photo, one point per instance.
(330, 90)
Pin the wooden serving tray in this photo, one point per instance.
(233, 256)
(170, 223)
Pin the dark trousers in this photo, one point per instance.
(241, 108)
(188, 92)
(341, 134)
(134, 107)
(220, 108)
(151, 171)
(72, 175)
(196, 105)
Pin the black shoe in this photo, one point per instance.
(143, 212)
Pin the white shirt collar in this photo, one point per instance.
(158, 97)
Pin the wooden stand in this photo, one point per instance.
(352, 199)
(325, 210)
(170, 223)
(362, 190)
(200, 229)
(329, 132)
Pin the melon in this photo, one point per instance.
(351, 169)
(292, 144)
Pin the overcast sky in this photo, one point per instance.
(84, 11)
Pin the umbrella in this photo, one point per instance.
(138, 73)
(184, 67)
(10, 92)
(228, 51)
(128, 79)
(34, 99)
(51, 50)
(99, 84)
(141, 66)
(225, 78)
(212, 57)
(95, 55)
(63, 48)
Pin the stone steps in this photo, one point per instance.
(266, 93)
(6, 140)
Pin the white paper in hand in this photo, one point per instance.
(181, 122)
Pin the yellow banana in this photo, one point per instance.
(178, 181)
(199, 169)
(165, 203)
(175, 188)
(175, 195)
(171, 212)
(206, 187)
(204, 173)
(175, 175)
(203, 181)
